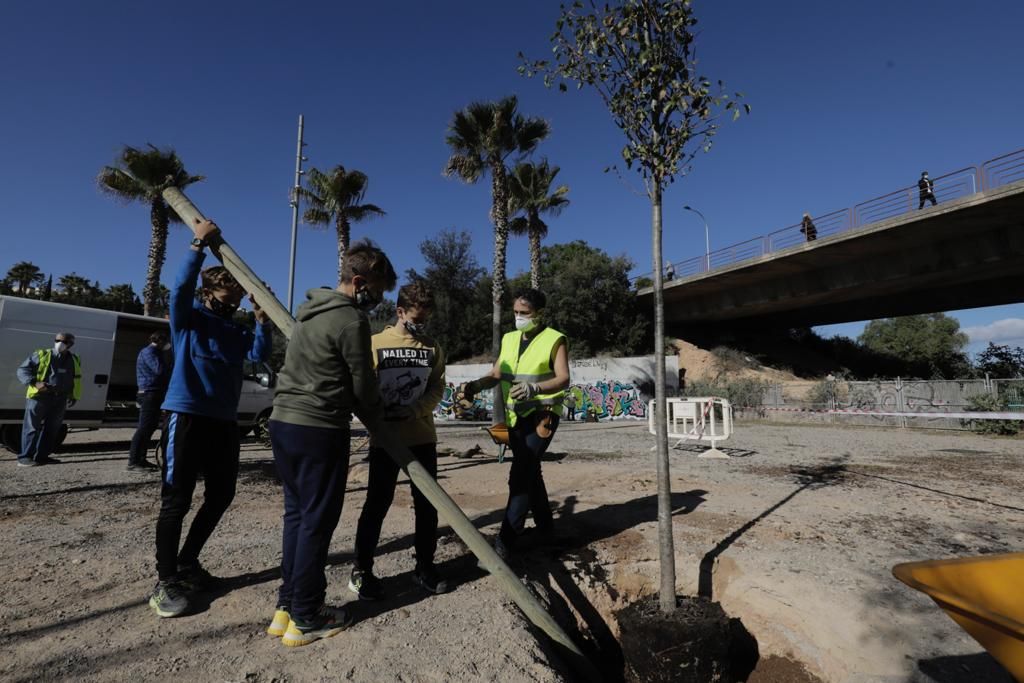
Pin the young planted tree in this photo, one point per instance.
(482, 136)
(638, 56)
(23, 276)
(530, 195)
(337, 197)
(141, 175)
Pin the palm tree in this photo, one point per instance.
(481, 137)
(25, 275)
(121, 298)
(337, 196)
(530, 195)
(142, 175)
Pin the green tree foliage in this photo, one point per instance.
(24, 277)
(932, 342)
(590, 300)
(1001, 362)
(462, 296)
(337, 197)
(121, 298)
(481, 138)
(141, 175)
(77, 290)
(638, 55)
(530, 197)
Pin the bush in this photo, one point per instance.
(732, 360)
(743, 394)
(989, 404)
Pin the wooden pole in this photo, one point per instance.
(432, 491)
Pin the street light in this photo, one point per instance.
(707, 240)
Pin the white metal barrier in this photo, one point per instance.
(703, 418)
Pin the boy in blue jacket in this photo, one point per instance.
(201, 433)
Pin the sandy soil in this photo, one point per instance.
(795, 535)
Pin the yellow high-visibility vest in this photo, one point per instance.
(45, 358)
(535, 365)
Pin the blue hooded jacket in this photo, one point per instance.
(208, 351)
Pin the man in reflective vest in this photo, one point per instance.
(533, 370)
(54, 380)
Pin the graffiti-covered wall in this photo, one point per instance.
(610, 388)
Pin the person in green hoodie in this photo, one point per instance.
(327, 376)
(410, 366)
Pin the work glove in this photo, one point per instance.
(524, 391)
(469, 390)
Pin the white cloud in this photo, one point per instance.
(1000, 331)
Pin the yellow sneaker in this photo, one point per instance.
(280, 623)
(329, 621)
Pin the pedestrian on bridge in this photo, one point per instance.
(670, 271)
(926, 189)
(808, 228)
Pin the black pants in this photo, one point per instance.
(380, 491)
(193, 445)
(149, 421)
(313, 465)
(926, 197)
(528, 439)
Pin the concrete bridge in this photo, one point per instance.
(882, 258)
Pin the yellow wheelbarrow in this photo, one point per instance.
(984, 595)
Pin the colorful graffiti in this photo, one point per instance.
(609, 399)
(483, 404)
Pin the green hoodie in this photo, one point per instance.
(328, 368)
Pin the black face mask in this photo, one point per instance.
(366, 300)
(415, 329)
(221, 308)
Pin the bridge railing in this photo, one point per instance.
(1003, 170)
(993, 173)
(950, 186)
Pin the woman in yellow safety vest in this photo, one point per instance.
(533, 371)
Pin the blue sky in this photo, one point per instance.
(850, 101)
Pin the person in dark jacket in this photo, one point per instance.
(327, 376)
(926, 190)
(53, 378)
(201, 435)
(808, 228)
(152, 373)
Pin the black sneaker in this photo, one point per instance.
(329, 621)
(169, 599)
(365, 585)
(48, 461)
(428, 578)
(142, 466)
(195, 578)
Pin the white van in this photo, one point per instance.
(108, 344)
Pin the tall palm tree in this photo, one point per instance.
(142, 175)
(25, 274)
(481, 137)
(530, 195)
(337, 196)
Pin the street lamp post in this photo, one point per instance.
(707, 239)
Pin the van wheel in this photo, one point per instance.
(11, 437)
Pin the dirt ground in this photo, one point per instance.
(795, 535)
